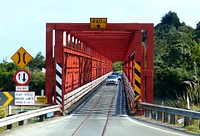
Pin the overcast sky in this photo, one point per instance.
(23, 22)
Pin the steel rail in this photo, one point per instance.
(89, 114)
(108, 116)
(91, 111)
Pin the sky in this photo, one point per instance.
(23, 22)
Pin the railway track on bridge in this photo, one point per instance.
(101, 104)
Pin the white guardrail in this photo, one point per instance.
(167, 114)
(27, 115)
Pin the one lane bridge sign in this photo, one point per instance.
(6, 98)
(22, 77)
(21, 57)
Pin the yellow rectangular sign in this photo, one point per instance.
(41, 99)
(98, 23)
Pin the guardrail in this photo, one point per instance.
(167, 114)
(130, 92)
(27, 115)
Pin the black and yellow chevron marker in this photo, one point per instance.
(137, 77)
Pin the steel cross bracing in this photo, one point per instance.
(77, 55)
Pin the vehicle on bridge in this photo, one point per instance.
(119, 77)
(112, 79)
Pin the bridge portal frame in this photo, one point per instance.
(59, 56)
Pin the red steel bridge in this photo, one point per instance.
(78, 58)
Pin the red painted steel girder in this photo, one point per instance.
(113, 42)
(110, 26)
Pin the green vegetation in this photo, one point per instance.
(117, 66)
(177, 52)
(190, 98)
(176, 63)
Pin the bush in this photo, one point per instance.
(168, 82)
(192, 94)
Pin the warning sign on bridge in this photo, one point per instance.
(98, 23)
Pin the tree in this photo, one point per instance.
(171, 18)
(179, 55)
(37, 82)
(37, 63)
(174, 56)
(117, 66)
(196, 33)
(6, 82)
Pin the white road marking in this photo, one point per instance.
(136, 122)
(52, 121)
(61, 119)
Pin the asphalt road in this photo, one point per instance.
(104, 113)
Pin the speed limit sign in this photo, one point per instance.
(22, 77)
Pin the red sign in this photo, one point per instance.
(22, 77)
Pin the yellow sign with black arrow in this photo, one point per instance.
(98, 23)
(7, 98)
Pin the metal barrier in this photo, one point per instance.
(130, 93)
(27, 115)
(167, 114)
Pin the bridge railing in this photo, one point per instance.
(27, 115)
(130, 93)
(168, 114)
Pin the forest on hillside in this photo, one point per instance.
(176, 60)
(176, 56)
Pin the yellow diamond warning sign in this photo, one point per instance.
(21, 57)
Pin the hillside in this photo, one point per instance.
(177, 53)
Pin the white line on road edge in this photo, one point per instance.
(50, 122)
(61, 119)
(136, 122)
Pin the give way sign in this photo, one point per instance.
(22, 77)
